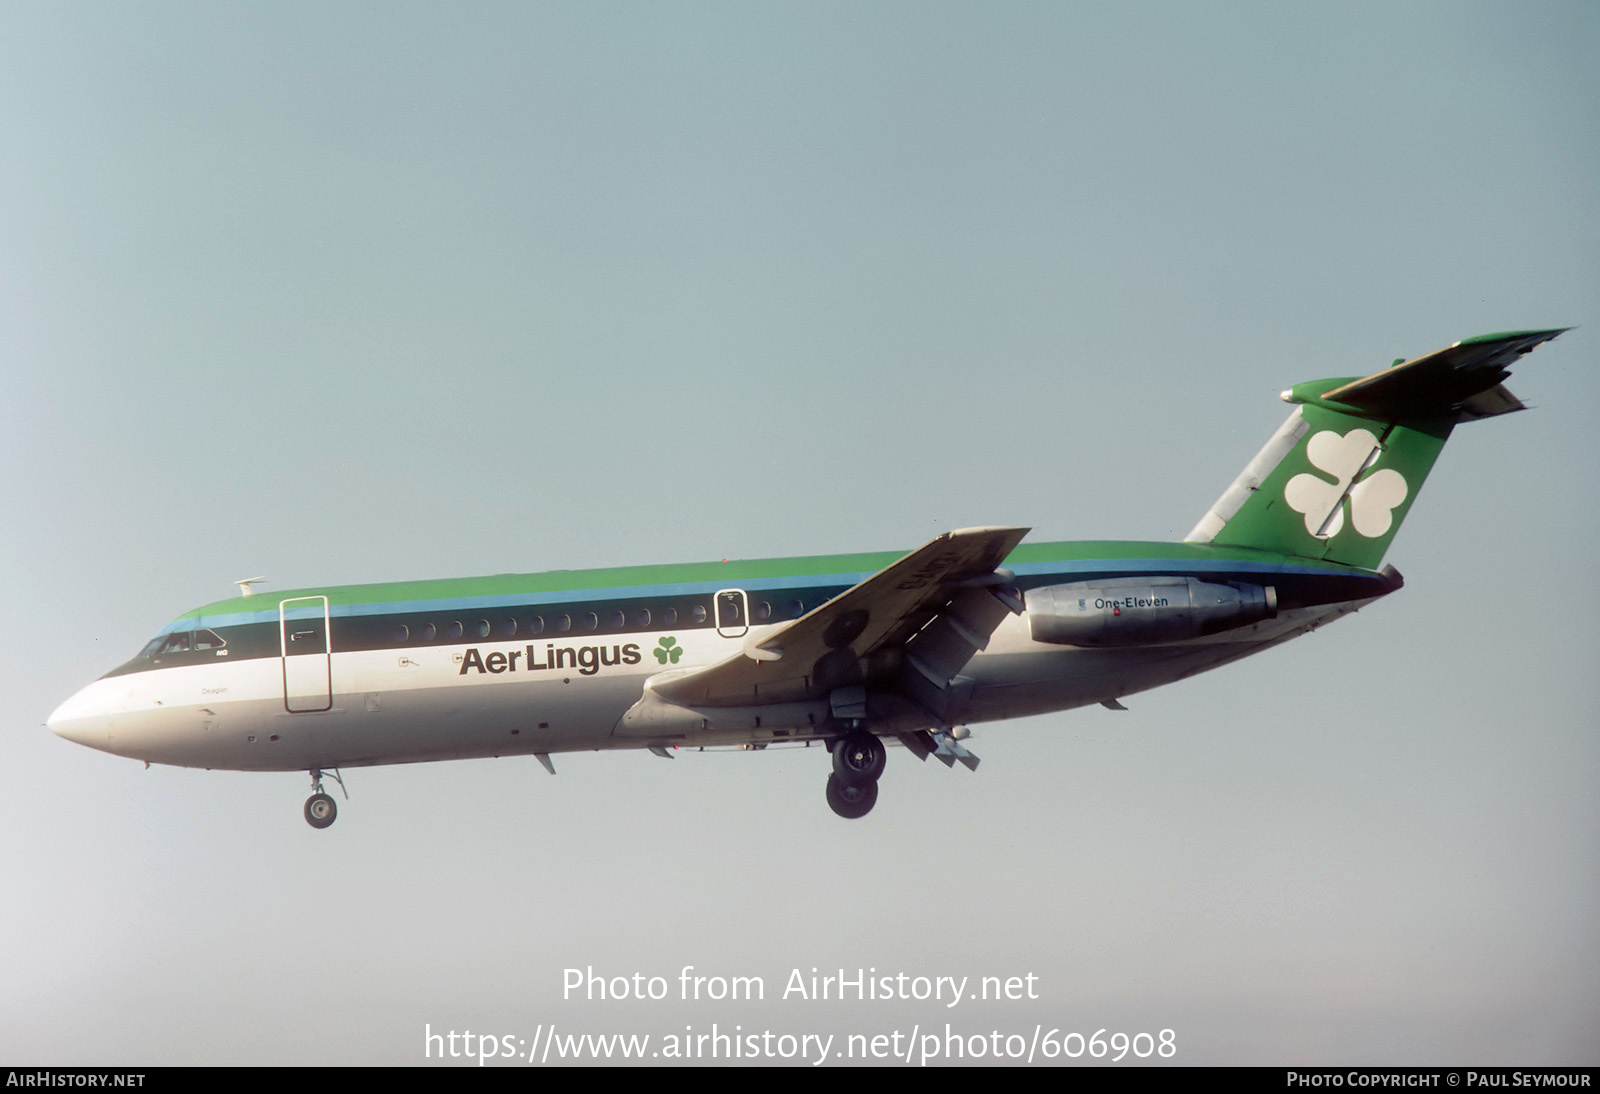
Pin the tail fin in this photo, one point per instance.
(1339, 476)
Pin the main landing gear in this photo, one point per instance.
(857, 762)
(320, 808)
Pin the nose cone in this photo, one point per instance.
(82, 720)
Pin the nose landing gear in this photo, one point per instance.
(321, 810)
(858, 760)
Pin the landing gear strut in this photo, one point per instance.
(857, 762)
(320, 808)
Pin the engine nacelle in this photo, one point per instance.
(1143, 611)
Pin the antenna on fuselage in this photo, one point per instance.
(244, 584)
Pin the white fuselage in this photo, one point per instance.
(485, 698)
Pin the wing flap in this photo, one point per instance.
(936, 654)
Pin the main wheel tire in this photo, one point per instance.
(859, 758)
(851, 800)
(321, 811)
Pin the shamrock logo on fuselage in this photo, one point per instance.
(668, 650)
(1372, 500)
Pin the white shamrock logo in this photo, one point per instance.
(1372, 500)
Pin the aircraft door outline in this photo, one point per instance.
(732, 609)
(306, 641)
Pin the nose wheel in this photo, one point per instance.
(321, 810)
(858, 760)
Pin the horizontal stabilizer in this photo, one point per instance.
(1464, 378)
(1487, 404)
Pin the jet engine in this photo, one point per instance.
(1144, 611)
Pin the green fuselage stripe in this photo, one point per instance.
(640, 600)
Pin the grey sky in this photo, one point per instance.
(362, 292)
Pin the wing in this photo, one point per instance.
(925, 610)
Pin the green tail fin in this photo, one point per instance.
(1338, 478)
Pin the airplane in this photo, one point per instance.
(853, 653)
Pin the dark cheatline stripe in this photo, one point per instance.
(463, 620)
(380, 628)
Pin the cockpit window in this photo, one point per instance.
(176, 642)
(181, 642)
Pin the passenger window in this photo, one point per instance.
(590, 621)
(454, 630)
(429, 632)
(401, 633)
(698, 613)
(641, 617)
(508, 628)
(730, 610)
(616, 620)
(536, 625)
(481, 628)
(563, 622)
(763, 612)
